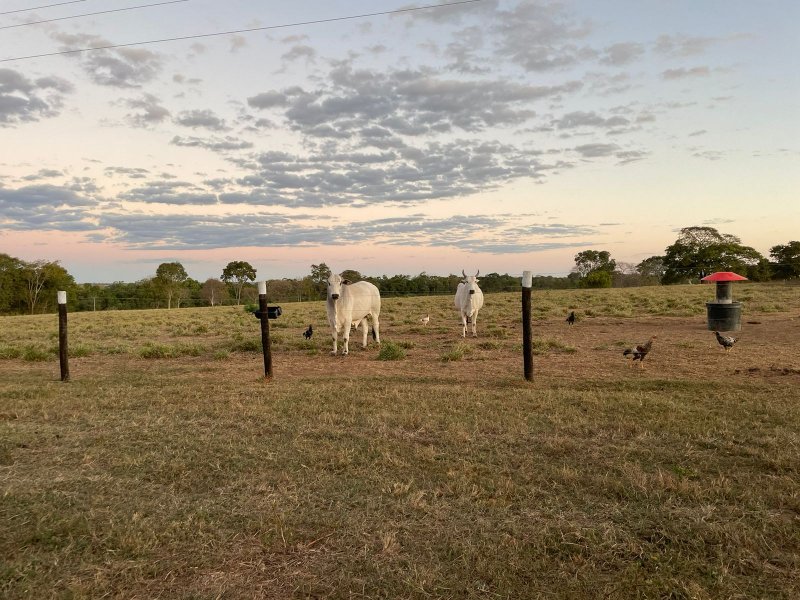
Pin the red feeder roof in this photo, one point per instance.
(724, 276)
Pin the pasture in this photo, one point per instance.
(167, 467)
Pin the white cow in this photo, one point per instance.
(350, 303)
(469, 300)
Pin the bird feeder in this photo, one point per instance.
(724, 314)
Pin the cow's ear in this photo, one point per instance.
(346, 281)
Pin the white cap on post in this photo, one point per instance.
(62, 297)
(527, 279)
(262, 288)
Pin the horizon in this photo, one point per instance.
(500, 135)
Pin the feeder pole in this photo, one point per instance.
(527, 343)
(262, 307)
(63, 353)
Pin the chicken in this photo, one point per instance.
(308, 332)
(424, 320)
(640, 351)
(725, 341)
(571, 318)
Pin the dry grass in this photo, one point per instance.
(184, 475)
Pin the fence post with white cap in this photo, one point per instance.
(63, 351)
(527, 342)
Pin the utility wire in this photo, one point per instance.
(250, 30)
(101, 12)
(8, 12)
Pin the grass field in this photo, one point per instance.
(168, 468)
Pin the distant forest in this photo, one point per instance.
(30, 287)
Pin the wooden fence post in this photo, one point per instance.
(264, 318)
(527, 342)
(63, 350)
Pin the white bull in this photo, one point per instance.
(469, 300)
(349, 303)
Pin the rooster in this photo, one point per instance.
(571, 318)
(725, 341)
(640, 351)
(308, 332)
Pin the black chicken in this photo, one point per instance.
(571, 318)
(725, 341)
(308, 332)
(640, 351)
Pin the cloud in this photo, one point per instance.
(589, 119)
(44, 174)
(202, 119)
(213, 144)
(119, 67)
(149, 111)
(169, 192)
(488, 233)
(300, 52)
(622, 53)
(24, 100)
(46, 208)
(685, 73)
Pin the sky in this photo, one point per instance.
(494, 135)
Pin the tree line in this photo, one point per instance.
(30, 287)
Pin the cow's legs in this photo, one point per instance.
(346, 341)
(335, 336)
(463, 325)
(376, 329)
(475, 324)
(365, 327)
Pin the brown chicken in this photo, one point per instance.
(639, 352)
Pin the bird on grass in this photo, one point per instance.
(424, 320)
(571, 318)
(640, 351)
(308, 332)
(725, 341)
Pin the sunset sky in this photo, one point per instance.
(494, 135)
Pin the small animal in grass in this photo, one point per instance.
(425, 320)
(571, 318)
(308, 332)
(639, 352)
(726, 341)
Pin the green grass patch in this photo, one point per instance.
(391, 351)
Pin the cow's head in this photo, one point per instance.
(471, 281)
(335, 283)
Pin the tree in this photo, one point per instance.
(699, 251)
(170, 278)
(594, 260)
(214, 292)
(237, 274)
(10, 283)
(319, 277)
(597, 279)
(787, 260)
(351, 275)
(652, 268)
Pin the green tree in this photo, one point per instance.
(319, 278)
(700, 251)
(597, 279)
(10, 283)
(652, 268)
(170, 279)
(786, 259)
(594, 260)
(237, 274)
(214, 292)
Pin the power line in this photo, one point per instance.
(8, 12)
(101, 12)
(250, 30)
